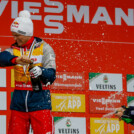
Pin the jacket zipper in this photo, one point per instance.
(26, 101)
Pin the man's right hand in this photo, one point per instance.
(23, 60)
(119, 112)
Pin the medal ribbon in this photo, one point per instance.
(25, 67)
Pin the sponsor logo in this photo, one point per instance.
(23, 85)
(74, 14)
(15, 24)
(68, 85)
(69, 80)
(105, 103)
(21, 32)
(105, 79)
(105, 82)
(66, 77)
(70, 125)
(68, 131)
(68, 103)
(34, 59)
(101, 126)
(37, 58)
(103, 86)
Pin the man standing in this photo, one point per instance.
(29, 106)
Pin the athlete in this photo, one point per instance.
(125, 114)
(29, 107)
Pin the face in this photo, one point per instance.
(20, 39)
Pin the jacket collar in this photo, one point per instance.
(28, 43)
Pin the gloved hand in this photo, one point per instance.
(35, 72)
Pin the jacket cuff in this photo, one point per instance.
(13, 61)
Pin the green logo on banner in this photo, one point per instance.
(68, 123)
(105, 79)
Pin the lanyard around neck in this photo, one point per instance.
(25, 67)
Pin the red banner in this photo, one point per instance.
(69, 80)
(104, 103)
(130, 129)
(86, 20)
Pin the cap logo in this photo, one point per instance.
(15, 24)
(21, 32)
